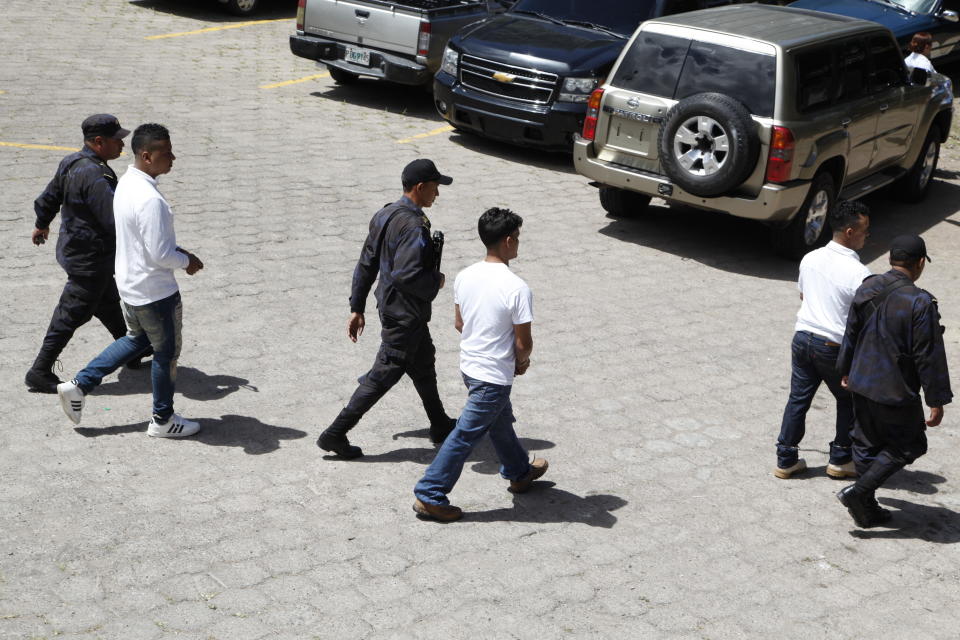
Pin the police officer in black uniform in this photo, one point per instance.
(893, 347)
(399, 247)
(82, 191)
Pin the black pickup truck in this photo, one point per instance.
(524, 76)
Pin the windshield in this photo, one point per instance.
(616, 15)
(916, 6)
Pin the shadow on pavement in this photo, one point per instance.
(921, 522)
(229, 431)
(743, 246)
(483, 457)
(915, 481)
(377, 95)
(213, 11)
(545, 503)
(191, 383)
(551, 160)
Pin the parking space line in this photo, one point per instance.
(48, 147)
(287, 83)
(235, 25)
(420, 136)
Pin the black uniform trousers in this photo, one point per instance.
(403, 350)
(83, 298)
(885, 439)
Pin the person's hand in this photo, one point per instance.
(39, 236)
(844, 382)
(194, 265)
(936, 416)
(355, 326)
(443, 280)
(521, 367)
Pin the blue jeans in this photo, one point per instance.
(814, 361)
(488, 410)
(157, 324)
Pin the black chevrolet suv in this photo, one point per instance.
(525, 76)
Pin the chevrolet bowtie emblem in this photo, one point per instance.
(504, 77)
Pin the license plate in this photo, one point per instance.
(631, 136)
(357, 56)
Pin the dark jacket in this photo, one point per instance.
(893, 352)
(82, 191)
(399, 248)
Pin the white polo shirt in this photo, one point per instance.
(919, 61)
(146, 244)
(829, 278)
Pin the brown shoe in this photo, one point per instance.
(537, 468)
(441, 512)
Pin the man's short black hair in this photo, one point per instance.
(146, 135)
(847, 214)
(496, 224)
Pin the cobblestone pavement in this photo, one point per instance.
(660, 373)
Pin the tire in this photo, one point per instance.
(242, 7)
(621, 203)
(913, 186)
(708, 144)
(808, 229)
(342, 77)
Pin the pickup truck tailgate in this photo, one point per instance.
(368, 23)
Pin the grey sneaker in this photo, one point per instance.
(175, 427)
(786, 472)
(71, 399)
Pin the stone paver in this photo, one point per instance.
(660, 373)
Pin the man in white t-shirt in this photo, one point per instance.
(829, 278)
(147, 255)
(494, 311)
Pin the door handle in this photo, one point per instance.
(884, 107)
(845, 122)
(362, 14)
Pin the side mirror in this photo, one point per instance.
(949, 16)
(919, 76)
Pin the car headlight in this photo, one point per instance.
(577, 89)
(450, 60)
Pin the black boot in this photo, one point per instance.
(857, 503)
(877, 513)
(334, 439)
(41, 381)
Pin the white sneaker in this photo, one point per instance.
(176, 427)
(71, 399)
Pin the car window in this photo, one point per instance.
(622, 17)
(851, 70)
(745, 76)
(815, 80)
(652, 64)
(888, 69)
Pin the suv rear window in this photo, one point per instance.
(677, 68)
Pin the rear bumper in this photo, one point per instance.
(776, 202)
(550, 127)
(383, 65)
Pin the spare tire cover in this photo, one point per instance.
(708, 144)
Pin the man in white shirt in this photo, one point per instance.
(921, 45)
(829, 278)
(147, 254)
(494, 311)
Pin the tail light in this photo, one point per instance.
(780, 161)
(423, 40)
(593, 110)
(301, 10)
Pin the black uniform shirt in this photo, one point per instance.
(398, 247)
(82, 191)
(892, 353)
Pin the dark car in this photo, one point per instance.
(905, 18)
(525, 76)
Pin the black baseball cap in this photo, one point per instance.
(103, 124)
(423, 170)
(908, 247)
